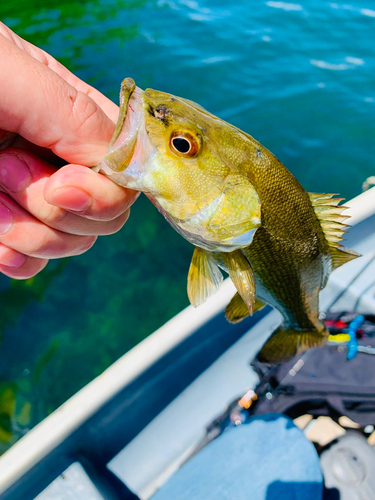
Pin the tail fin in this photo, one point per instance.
(284, 344)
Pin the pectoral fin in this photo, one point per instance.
(204, 278)
(237, 310)
(240, 272)
(284, 344)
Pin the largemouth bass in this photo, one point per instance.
(238, 205)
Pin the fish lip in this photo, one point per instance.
(130, 157)
(134, 115)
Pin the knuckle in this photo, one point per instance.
(43, 247)
(86, 242)
(119, 222)
(31, 267)
(112, 212)
(52, 216)
(83, 109)
(65, 245)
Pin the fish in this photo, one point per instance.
(240, 207)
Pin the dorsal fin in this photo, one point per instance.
(329, 215)
(204, 277)
(342, 255)
(330, 218)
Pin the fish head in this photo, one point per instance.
(186, 162)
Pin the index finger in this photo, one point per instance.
(109, 107)
(42, 107)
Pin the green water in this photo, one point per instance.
(299, 78)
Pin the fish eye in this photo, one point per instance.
(185, 144)
(181, 144)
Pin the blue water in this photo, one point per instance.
(298, 77)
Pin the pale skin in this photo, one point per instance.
(49, 117)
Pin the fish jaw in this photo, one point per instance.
(127, 159)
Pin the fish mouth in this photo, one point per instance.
(131, 149)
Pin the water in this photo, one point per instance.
(298, 77)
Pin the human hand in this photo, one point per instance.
(48, 115)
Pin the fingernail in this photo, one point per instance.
(70, 198)
(6, 218)
(11, 258)
(14, 173)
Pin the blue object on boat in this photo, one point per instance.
(266, 458)
(352, 331)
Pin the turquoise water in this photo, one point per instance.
(298, 77)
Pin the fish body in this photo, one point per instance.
(238, 205)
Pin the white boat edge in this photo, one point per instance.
(47, 435)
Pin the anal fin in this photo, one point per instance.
(242, 275)
(284, 344)
(204, 278)
(237, 310)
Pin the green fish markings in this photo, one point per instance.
(238, 205)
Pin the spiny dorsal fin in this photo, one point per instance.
(329, 215)
(204, 278)
(240, 272)
(237, 310)
(330, 218)
(284, 344)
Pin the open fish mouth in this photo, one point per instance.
(130, 147)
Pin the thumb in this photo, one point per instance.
(43, 108)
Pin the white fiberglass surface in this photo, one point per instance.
(352, 287)
(72, 484)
